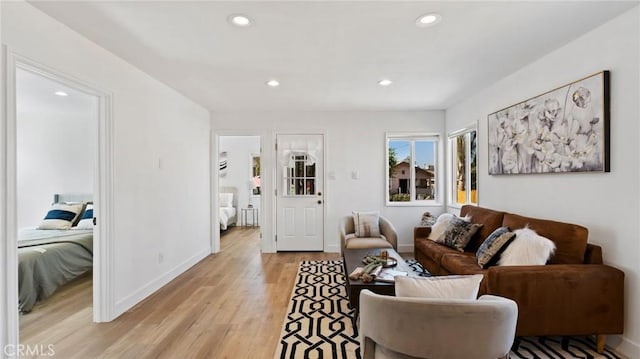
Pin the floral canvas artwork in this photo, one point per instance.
(563, 130)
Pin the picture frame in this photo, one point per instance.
(564, 130)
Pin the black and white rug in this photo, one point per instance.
(318, 322)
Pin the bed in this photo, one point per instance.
(228, 207)
(49, 258)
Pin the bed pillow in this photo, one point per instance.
(492, 247)
(527, 248)
(226, 199)
(367, 224)
(86, 221)
(440, 287)
(61, 216)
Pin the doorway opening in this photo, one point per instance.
(239, 184)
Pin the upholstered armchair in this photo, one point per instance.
(398, 327)
(348, 239)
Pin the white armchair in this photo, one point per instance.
(348, 239)
(397, 327)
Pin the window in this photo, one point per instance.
(411, 168)
(464, 157)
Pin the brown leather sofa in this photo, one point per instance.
(574, 294)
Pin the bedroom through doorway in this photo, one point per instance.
(239, 186)
(56, 127)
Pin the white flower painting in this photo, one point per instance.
(563, 130)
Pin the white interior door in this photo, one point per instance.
(299, 193)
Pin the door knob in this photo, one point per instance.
(319, 202)
(319, 193)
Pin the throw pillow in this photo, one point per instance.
(493, 246)
(528, 248)
(86, 221)
(61, 216)
(459, 233)
(367, 224)
(442, 224)
(442, 287)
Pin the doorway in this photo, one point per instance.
(98, 150)
(239, 183)
(299, 192)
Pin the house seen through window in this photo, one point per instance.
(411, 168)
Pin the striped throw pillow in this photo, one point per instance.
(367, 224)
(61, 216)
(86, 221)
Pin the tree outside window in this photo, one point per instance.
(465, 177)
(411, 168)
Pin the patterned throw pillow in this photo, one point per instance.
(61, 216)
(367, 224)
(86, 222)
(443, 223)
(493, 246)
(459, 233)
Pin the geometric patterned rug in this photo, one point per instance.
(318, 322)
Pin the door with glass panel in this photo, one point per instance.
(299, 192)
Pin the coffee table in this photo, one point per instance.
(352, 258)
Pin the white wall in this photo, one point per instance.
(239, 153)
(161, 181)
(55, 154)
(606, 203)
(355, 141)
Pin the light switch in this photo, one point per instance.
(355, 175)
(331, 175)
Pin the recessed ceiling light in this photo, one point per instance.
(428, 20)
(273, 83)
(385, 82)
(239, 20)
(61, 93)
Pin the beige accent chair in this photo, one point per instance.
(348, 237)
(401, 327)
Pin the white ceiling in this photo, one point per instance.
(36, 94)
(329, 55)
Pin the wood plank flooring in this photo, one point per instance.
(230, 305)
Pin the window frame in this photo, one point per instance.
(412, 137)
(452, 195)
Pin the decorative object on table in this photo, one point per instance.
(427, 220)
(222, 158)
(563, 130)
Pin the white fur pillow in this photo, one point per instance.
(442, 287)
(442, 225)
(528, 248)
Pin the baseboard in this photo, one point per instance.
(332, 248)
(623, 346)
(405, 248)
(129, 301)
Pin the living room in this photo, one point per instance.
(355, 160)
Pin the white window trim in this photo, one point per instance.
(452, 193)
(415, 136)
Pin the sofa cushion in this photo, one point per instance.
(351, 241)
(490, 250)
(430, 253)
(528, 248)
(462, 263)
(459, 233)
(444, 287)
(570, 239)
(490, 219)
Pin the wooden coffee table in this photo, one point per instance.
(352, 258)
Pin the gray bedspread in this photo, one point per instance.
(48, 259)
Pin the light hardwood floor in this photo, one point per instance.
(230, 305)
